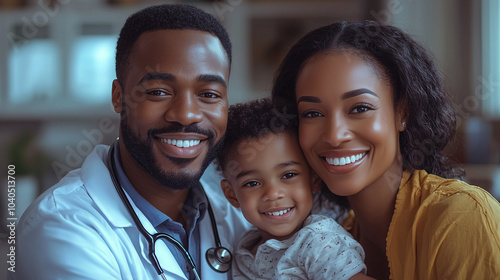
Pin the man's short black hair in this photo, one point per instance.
(254, 120)
(161, 17)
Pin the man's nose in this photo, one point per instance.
(184, 109)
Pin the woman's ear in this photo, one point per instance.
(401, 116)
(228, 191)
(315, 181)
(116, 96)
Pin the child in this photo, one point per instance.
(267, 176)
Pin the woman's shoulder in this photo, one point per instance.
(438, 198)
(444, 219)
(427, 186)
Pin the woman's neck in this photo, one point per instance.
(374, 205)
(374, 208)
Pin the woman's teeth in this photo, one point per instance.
(181, 143)
(278, 213)
(345, 160)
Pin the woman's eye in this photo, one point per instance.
(251, 184)
(289, 175)
(311, 114)
(361, 108)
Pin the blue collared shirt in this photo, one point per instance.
(194, 209)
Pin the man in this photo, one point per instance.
(172, 66)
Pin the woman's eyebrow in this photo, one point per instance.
(349, 94)
(357, 92)
(312, 99)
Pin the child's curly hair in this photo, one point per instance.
(253, 120)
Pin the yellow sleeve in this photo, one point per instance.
(460, 238)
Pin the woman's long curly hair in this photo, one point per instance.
(416, 81)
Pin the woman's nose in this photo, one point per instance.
(337, 131)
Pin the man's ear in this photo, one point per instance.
(229, 193)
(315, 181)
(116, 96)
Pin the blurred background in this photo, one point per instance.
(57, 66)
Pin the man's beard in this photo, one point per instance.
(142, 151)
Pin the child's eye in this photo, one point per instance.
(251, 184)
(288, 175)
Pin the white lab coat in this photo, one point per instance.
(80, 229)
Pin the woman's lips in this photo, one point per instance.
(339, 161)
(343, 164)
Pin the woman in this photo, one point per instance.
(373, 122)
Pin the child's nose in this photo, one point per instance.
(273, 192)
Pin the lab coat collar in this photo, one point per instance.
(97, 181)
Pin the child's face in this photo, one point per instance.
(270, 180)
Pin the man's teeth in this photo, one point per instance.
(181, 143)
(345, 160)
(278, 213)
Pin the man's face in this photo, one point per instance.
(173, 104)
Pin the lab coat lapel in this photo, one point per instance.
(97, 181)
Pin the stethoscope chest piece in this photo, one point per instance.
(219, 259)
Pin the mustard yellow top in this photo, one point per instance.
(443, 229)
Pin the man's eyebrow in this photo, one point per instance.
(212, 78)
(357, 92)
(170, 78)
(157, 76)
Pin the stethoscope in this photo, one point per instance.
(218, 258)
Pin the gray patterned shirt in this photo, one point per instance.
(322, 249)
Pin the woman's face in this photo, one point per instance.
(348, 130)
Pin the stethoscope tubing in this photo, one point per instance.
(151, 239)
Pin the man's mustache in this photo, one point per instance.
(175, 128)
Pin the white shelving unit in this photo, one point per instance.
(47, 88)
